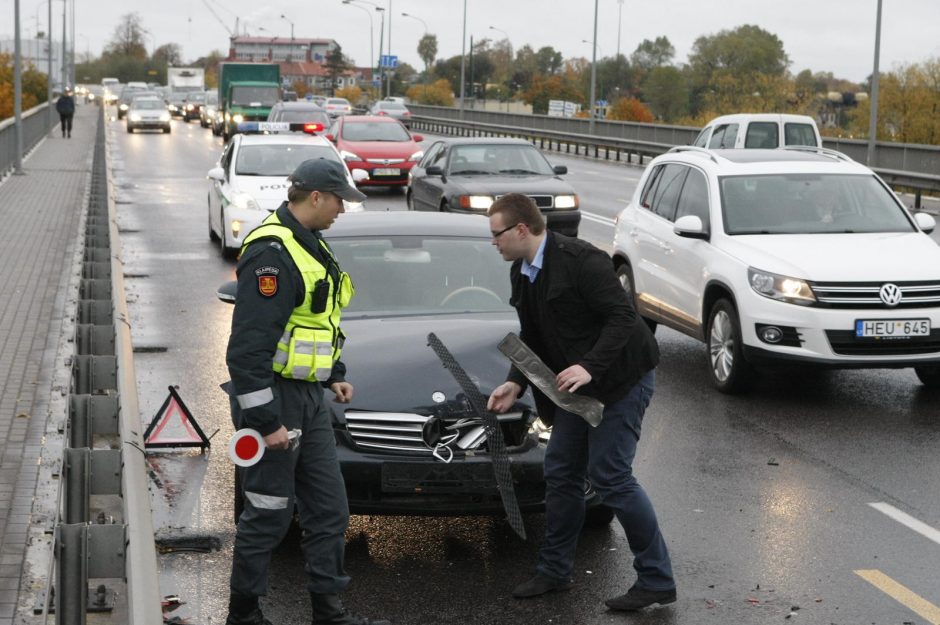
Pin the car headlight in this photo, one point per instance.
(540, 429)
(352, 207)
(244, 201)
(349, 156)
(238, 118)
(165, 116)
(134, 117)
(476, 202)
(123, 107)
(566, 201)
(417, 156)
(783, 288)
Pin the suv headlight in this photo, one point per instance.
(476, 202)
(244, 201)
(566, 201)
(238, 118)
(783, 288)
(165, 116)
(123, 107)
(134, 117)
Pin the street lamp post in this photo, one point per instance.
(594, 73)
(17, 91)
(619, 24)
(371, 33)
(463, 59)
(873, 101)
(51, 119)
(415, 17)
(508, 68)
(289, 54)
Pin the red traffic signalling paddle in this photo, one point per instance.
(246, 447)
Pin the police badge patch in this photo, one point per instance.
(267, 280)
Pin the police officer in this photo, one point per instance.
(283, 351)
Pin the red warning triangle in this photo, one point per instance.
(174, 426)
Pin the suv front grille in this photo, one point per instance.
(866, 294)
(844, 342)
(542, 201)
(391, 431)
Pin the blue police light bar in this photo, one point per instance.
(273, 127)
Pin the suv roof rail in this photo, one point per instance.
(818, 150)
(696, 149)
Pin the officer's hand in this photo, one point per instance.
(503, 397)
(572, 378)
(343, 391)
(277, 439)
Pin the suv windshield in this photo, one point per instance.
(809, 204)
(277, 159)
(255, 96)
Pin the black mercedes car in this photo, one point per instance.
(465, 175)
(409, 442)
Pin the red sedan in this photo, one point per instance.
(380, 146)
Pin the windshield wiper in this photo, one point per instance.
(471, 172)
(518, 171)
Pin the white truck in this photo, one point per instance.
(185, 79)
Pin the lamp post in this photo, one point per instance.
(17, 92)
(289, 54)
(381, 35)
(415, 17)
(619, 24)
(371, 32)
(594, 73)
(509, 66)
(873, 115)
(463, 58)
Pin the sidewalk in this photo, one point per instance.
(40, 213)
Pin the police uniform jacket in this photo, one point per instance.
(577, 312)
(259, 318)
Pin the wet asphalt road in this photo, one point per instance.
(764, 499)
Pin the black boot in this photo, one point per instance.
(329, 610)
(244, 610)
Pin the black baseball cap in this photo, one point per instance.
(320, 174)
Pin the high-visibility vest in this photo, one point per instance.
(311, 341)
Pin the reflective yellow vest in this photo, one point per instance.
(312, 341)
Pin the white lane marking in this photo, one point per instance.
(607, 221)
(905, 519)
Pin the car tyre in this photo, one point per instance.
(409, 201)
(730, 372)
(166, 130)
(130, 130)
(929, 375)
(212, 235)
(228, 253)
(625, 275)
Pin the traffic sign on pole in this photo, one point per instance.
(388, 60)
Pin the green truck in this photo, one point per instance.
(247, 91)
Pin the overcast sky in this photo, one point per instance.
(821, 35)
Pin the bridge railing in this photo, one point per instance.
(36, 123)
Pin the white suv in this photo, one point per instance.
(793, 254)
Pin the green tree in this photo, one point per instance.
(168, 54)
(666, 92)
(427, 50)
(650, 54)
(336, 64)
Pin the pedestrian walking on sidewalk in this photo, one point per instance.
(575, 315)
(65, 105)
(283, 352)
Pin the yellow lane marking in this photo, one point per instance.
(901, 594)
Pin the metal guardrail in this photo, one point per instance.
(108, 537)
(35, 126)
(901, 164)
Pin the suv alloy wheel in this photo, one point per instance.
(730, 372)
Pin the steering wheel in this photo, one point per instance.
(469, 289)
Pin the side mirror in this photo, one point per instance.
(226, 291)
(925, 222)
(216, 173)
(560, 169)
(434, 170)
(359, 175)
(417, 138)
(690, 227)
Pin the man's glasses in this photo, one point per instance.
(496, 235)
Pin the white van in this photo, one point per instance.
(758, 130)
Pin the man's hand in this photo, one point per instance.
(277, 439)
(572, 378)
(343, 391)
(503, 397)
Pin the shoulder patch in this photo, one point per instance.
(267, 270)
(267, 285)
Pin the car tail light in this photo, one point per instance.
(382, 113)
(407, 114)
(313, 128)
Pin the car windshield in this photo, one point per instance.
(315, 117)
(254, 96)
(509, 159)
(374, 131)
(809, 204)
(277, 159)
(415, 275)
(149, 105)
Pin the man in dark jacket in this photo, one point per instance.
(65, 105)
(576, 316)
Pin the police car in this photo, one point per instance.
(250, 180)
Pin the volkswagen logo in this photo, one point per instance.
(891, 294)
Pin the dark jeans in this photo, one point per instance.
(309, 477)
(606, 454)
(66, 119)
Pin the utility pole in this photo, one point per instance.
(463, 58)
(17, 91)
(594, 74)
(65, 49)
(873, 115)
(51, 120)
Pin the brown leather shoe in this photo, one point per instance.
(638, 598)
(539, 585)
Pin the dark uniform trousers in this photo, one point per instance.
(270, 495)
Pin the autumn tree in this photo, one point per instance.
(545, 88)
(629, 110)
(168, 54)
(128, 38)
(650, 54)
(33, 84)
(438, 93)
(908, 106)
